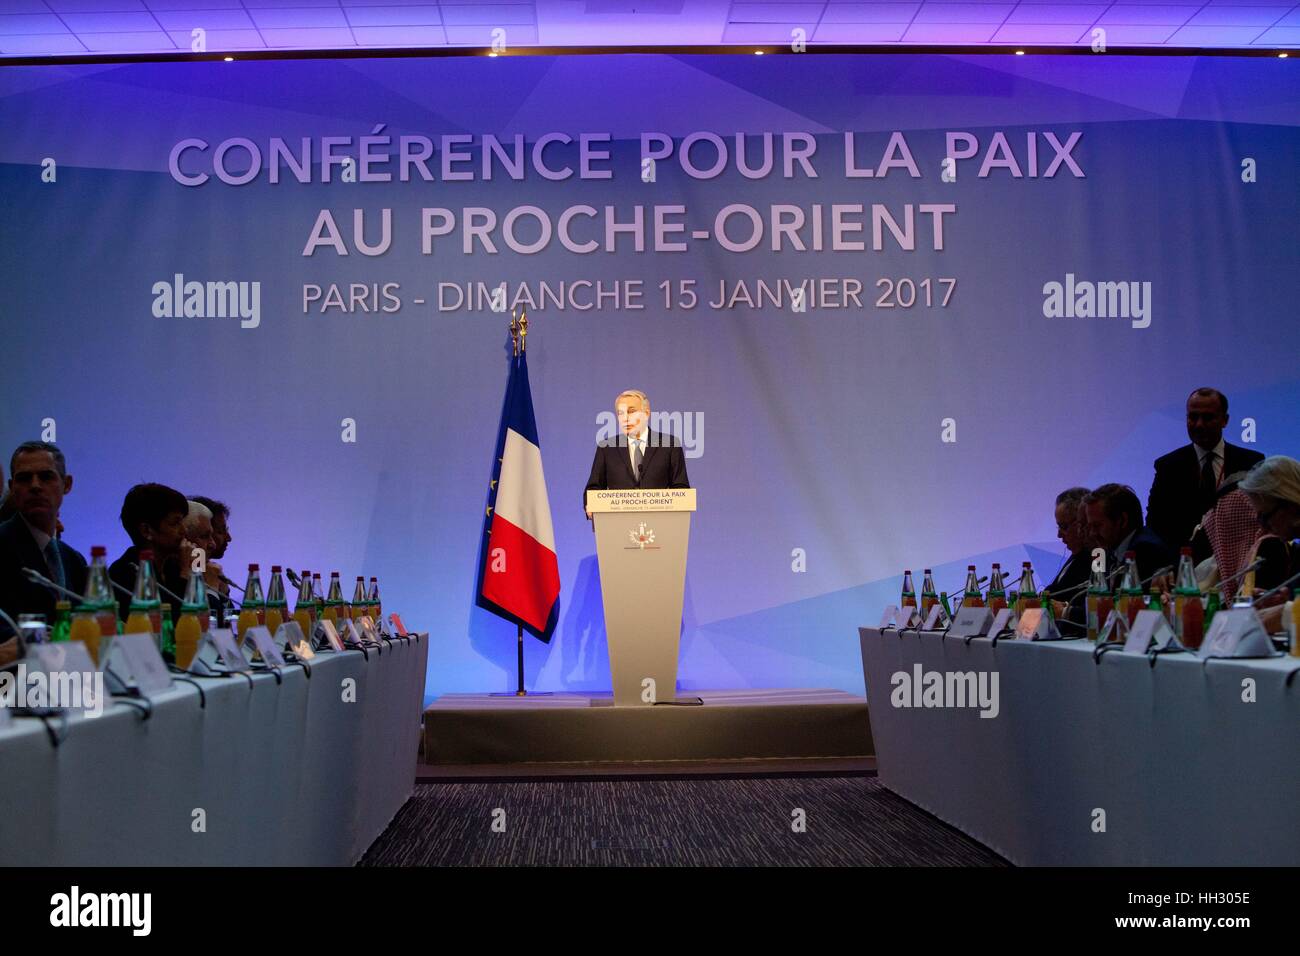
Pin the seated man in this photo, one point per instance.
(1071, 580)
(200, 533)
(154, 517)
(38, 480)
(1115, 523)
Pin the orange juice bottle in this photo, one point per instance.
(277, 606)
(304, 609)
(146, 608)
(997, 589)
(359, 607)
(376, 607)
(252, 611)
(193, 622)
(85, 628)
(96, 617)
(336, 609)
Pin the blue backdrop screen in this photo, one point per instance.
(1013, 270)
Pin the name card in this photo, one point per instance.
(368, 629)
(1237, 632)
(350, 633)
(1036, 625)
(60, 660)
(290, 635)
(1115, 628)
(1001, 621)
(932, 622)
(971, 622)
(887, 618)
(264, 644)
(1149, 627)
(223, 641)
(327, 635)
(135, 658)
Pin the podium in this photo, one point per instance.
(641, 538)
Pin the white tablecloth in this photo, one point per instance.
(1186, 770)
(287, 774)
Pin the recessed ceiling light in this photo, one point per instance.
(1020, 53)
(758, 53)
(230, 59)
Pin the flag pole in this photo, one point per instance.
(518, 343)
(518, 335)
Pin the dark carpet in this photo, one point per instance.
(850, 821)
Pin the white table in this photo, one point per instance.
(1185, 770)
(286, 773)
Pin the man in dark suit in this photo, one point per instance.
(1115, 523)
(38, 480)
(1187, 479)
(1072, 529)
(637, 457)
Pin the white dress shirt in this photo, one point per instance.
(1217, 451)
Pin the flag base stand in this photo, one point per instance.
(519, 691)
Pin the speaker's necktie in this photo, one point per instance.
(636, 458)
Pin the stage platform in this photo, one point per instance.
(585, 728)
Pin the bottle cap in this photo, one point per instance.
(98, 551)
(1130, 554)
(146, 554)
(927, 570)
(252, 567)
(360, 578)
(971, 567)
(275, 569)
(373, 578)
(1185, 550)
(305, 573)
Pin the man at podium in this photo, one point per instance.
(637, 457)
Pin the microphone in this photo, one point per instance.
(1242, 573)
(294, 579)
(1271, 591)
(37, 578)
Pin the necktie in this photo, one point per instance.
(636, 458)
(1209, 482)
(55, 561)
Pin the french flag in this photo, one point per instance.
(520, 577)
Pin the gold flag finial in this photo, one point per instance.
(523, 331)
(514, 332)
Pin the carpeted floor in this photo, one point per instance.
(723, 822)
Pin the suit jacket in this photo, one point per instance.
(662, 466)
(1073, 573)
(18, 550)
(1175, 505)
(1151, 553)
(168, 575)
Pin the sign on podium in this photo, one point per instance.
(641, 540)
